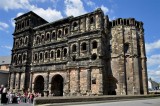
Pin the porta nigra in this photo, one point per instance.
(78, 56)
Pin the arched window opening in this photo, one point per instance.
(53, 35)
(16, 44)
(20, 59)
(58, 53)
(126, 47)
(17, 27)
(59, 33)
(26, 40)
(42, 36)
(65, 52)
(94, 56)
(35, 57)
(66, 31)
(46, 55)
(74, 48)
(84, 46)
(15, 59)
(41, 56)
(91, 20)
(27, 22)
(37, 40)
(22, 24)
(75, 26)
(24, 56)
(94, 44)
(52, 54)
(47, 36)
(21, 41)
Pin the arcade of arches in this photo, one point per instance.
(56, 85)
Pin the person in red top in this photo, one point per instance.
(31, 97)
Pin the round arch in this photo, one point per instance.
(39, 84)
(57, 85)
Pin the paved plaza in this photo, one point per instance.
(138, 102)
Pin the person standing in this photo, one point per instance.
(1, 89)
(3, 97)
(10, 97)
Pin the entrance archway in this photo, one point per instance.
(39, 85)
(57, 85)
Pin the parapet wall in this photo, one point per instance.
(127, 22)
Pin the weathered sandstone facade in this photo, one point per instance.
(76, 56)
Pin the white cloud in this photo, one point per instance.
(90, 3)
(19, 14)
(152, 46)
(48, 14)
(13, 21)
(153, 60)
(74, 7)
(7, 47)
(3, 26)
(105, 9)
(15, 4)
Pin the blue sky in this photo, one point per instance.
(147, 11)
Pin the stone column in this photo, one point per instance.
(17, 81)
(78, 81)
(144, 76)
(49, 89)
(67, 84)
(89, 81)
(100, 81)
(87, 24)
(135, 62)
(30, 84)
(22, 82)
(143, 63)
(88, 48)
(122, 75)
(46, 79)
(83, 25)
(9, 77)
(11, 81)
(136, 76)
(78, 48)
(98, 21)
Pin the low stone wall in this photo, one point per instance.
(48, 100)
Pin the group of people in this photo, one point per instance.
(8, 97)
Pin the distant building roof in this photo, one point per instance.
(5, 60)
(153, 82)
